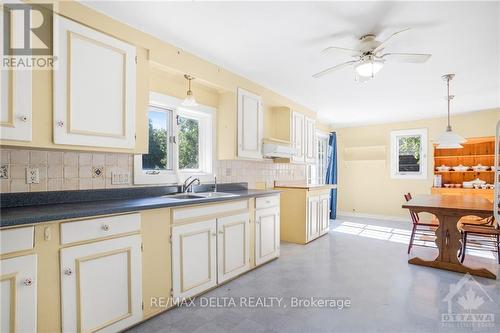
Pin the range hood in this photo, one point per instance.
(276, 150)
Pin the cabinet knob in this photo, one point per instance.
(24, 118)
(28, 282)
(60, 123)
(221, 232)
(214, 234)
(105, 227)
(68, 271)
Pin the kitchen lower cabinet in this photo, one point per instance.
(101, 286)
(18, 294)
(267, 234)
(324, 213)
(233, 246)
(305, 212)
(313, 220)
(194, 251)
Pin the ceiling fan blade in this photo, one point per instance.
(415, 58)
(381, 45)
(334, 68)
(336, 48)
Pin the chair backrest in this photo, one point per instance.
(414, 216)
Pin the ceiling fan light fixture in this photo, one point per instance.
(189, 101)
(369, 67)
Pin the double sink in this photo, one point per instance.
(200, 195)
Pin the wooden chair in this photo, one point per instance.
(421, 228)
(486, 237)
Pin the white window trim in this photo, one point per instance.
(394, 154)
(207, 149)
(323, 136)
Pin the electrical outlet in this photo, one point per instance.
(32, 176)
(119, 178)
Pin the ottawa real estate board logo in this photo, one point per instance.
(27, 38)
(469, 306)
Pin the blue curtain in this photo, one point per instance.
(331, 173)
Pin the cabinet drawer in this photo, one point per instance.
(208, 211)
(17, 239)
(84, 230)
(265, 202)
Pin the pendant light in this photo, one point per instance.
(189, 100)
(449, 139)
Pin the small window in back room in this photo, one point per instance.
(409, 154)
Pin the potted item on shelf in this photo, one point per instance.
(460, 168)
(477, 183)
(479, 168)
(443, 168)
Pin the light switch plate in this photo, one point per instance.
(32, 176)
(119, 178)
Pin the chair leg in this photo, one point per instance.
(464, 246)
(411, 238)
(498, 248)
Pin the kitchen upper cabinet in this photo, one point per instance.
(194, 266)
(313, 222)
(15, 97)
(18, 291)
(250, 125)
(94, 87)
(233, 246)
(298, 136)
(267, 234)
(101, 286)
(310, 151)
(324, 213)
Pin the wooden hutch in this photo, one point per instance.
(475, 151)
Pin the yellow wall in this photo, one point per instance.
(364, 179)
(161, 67)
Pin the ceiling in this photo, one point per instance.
(278, 44)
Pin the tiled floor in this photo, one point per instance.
(369, 267)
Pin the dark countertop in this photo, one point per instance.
(13, 216)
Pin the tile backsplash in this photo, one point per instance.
(71, 170)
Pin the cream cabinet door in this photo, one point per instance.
(250, 125)
(298, 136)
(310, 140)
(313, 224)
(18, 294)
(15, 93)
(324, 215)
(233, 246)
(267, 234)
(101, 285)
(94, 87)
(194, 251)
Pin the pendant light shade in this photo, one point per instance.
(449, 139)
(189, 100)
(369, 66)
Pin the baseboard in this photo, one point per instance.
(373, 216)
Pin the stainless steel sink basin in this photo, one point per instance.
(216, 194)
(185, 196)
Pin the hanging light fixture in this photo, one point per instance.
(369, 66)
(189, 100)
(449, 139)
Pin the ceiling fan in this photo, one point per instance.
(369, 58)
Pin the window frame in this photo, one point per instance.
(394, 136)
(206, 146)
(321, 137)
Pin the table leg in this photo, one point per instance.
(448, 243)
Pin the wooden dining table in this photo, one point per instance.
(449, 209)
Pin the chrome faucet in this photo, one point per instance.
(189, 184)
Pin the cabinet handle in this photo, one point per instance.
(60, 123)
(68, 271)
(28, 282)
(221, 232)
(105, 227)
(214, 234)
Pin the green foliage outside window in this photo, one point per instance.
(188, 130)
(157, 158)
